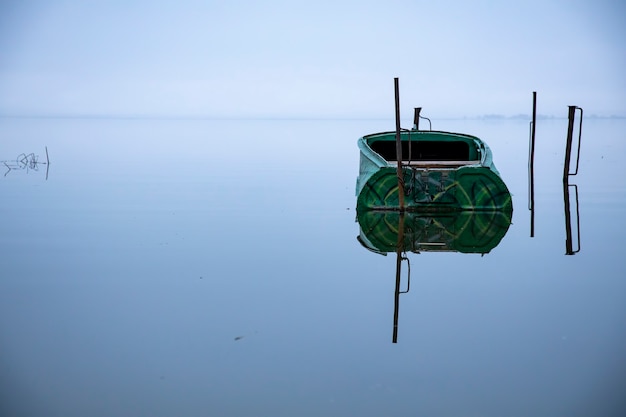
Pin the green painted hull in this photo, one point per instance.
(465, 188)
(461, 231)
(430, 186)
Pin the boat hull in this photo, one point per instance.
(465, 188)
(446, 172)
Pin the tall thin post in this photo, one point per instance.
(531, 167)
(401, 220)
(399, 147)
(568, 145)
(566, 173)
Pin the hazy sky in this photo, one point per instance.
(315, 59)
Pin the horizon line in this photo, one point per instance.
(105, 116)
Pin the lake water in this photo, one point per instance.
(212, 268)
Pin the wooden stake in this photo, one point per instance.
(399, 147)
(568, 145)
(531, 167)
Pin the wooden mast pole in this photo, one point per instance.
(531, 167)
(399, 147)
(401, 219)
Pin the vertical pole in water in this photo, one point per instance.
(568, 151)
(399, 147)
(568, 145)
(401, 219)
(531, 166)
(566, 173)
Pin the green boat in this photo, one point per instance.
(441, 171)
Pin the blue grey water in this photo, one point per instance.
(211, 267)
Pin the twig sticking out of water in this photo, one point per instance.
(27, 162)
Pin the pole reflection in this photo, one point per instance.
(569, 242)
(384, 232)
(571, 207)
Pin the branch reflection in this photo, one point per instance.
(26, 162)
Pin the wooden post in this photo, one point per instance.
(399, 147)
(568, 144)
(531, 167)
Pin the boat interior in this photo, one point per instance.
(429, 152)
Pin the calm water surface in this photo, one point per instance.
(195, 268)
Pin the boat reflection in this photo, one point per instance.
(398, 232)
(461, 231)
